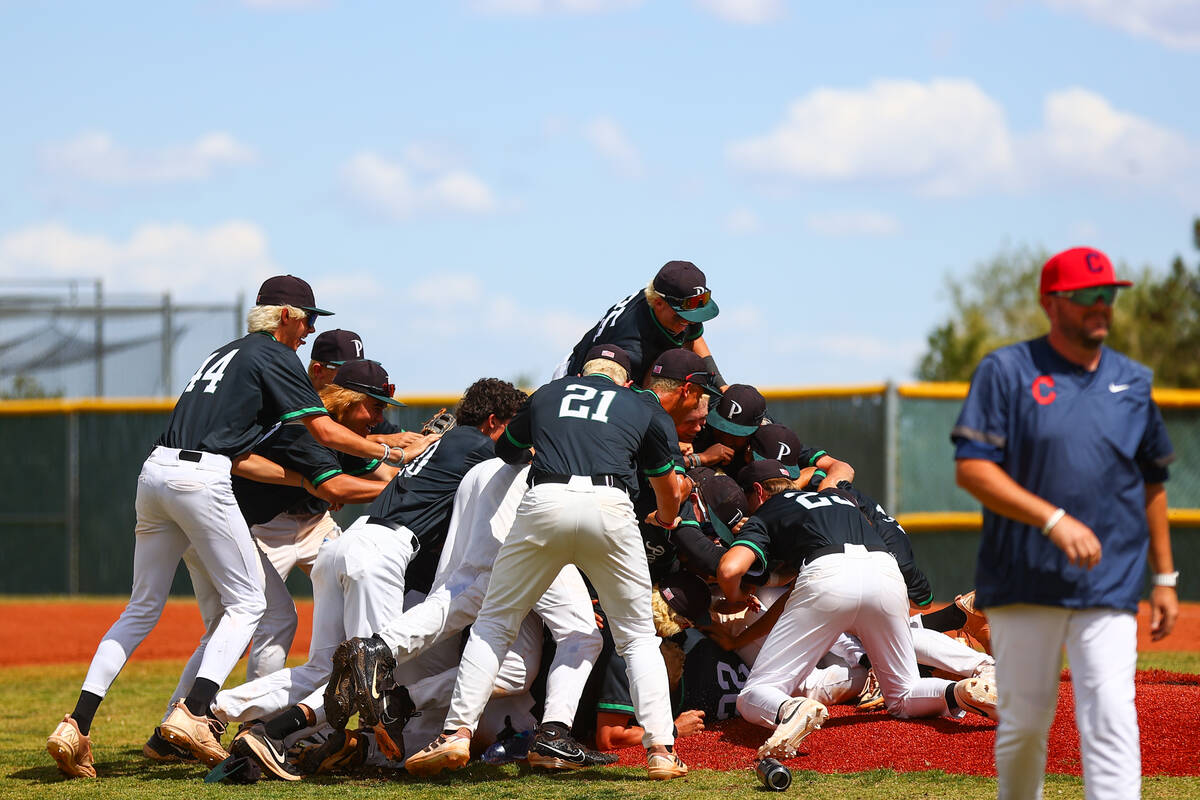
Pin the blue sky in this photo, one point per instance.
(471, 184)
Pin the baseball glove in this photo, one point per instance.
(440, 422)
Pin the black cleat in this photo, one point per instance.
(268, 753)
(553, 747)
(159, 749)
(369, 663)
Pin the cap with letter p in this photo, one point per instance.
(367, 377)
(288, 290)
(780, 443)
(739, 411)
(337, 347)
(681, 364)
(682, 285)
(1078, 268)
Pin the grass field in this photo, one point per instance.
(33, 698)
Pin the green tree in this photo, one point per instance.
(1156, 321)
(23, 387)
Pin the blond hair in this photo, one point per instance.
(266, 318)
(650, 292)
(662, 386)
(773, 486)
(606, 367)
(667, 621)
(339, 399)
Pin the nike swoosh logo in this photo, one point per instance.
(577, 757)
(1117, 387)
(279, 756)
(375, 694)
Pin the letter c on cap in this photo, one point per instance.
(1093, 257)
(1043, 390)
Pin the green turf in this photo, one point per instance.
(32, 699)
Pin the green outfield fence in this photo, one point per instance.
(68, 477)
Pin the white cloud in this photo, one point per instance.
(944, 137)
(743, 222)
(94, 156)
(745, 12)
(853, 223)
(611, 142)
(948, 137)
(156, 257)
(535, 7)
(403, 189)
(1174, 23)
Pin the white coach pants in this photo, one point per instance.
(594, 528)
(182, 504)
(358, 584)
(1101, 643)
(858, 591)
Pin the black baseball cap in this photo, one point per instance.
(612, 353)
(684, 365)
(682, 285)
(760, 472)
(337, 347)
(688, 596)
(778, 442)
(288, 290)
(367, 377)
(726, 504)
(739, 411)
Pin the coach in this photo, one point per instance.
(1061, 441)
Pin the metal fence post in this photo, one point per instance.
(891, 441)
(72, 463)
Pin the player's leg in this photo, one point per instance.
(1102, 651)
(374, 559)
(943, 652)
(1027, 643)
(276, 541)
(566, 611)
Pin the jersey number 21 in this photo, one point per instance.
(578, 403)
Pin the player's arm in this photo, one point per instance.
(700, 348)
(264, 470)
(835, 471)
(996, 489)
(1164, 600)
(669, 493)
(734, 564)
(404, 439)
(756, 630)
(615, 730)
(338, 437)
(342, 489)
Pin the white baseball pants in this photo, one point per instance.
(594, 528)
(1027, 641)
(859, 591)
(182, 504)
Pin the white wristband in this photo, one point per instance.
(387, 453)
(1054, 519)
(1169, 579)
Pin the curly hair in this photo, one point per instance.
(488, 396)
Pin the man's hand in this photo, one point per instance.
(1077, 541)
(689, 722)
(1164, 610)
(652, 519)
(720, 636)
(716, 455)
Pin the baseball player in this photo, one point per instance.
(668, 313)
(185, 499)
(586, 433)
(847, 580)
(360, 579)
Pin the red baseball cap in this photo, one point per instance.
(1078, 268)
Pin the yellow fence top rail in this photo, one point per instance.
(934, 521)
(115, 405)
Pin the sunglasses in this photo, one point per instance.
(311, 321)
(387, 390)
(689, 303)
(1087, 297)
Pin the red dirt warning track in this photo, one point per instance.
(1168, 703)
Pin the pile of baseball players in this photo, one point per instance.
(631, 551)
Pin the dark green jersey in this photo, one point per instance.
(240, 392)
(591, 426)
(632, 326)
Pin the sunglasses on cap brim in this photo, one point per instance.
(1088, 296)
(704, 381)
(387, 390)
(689, 303)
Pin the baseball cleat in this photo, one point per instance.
(986, 673)
(871, 697)
(369, 663)
(71, 750)
(976, 626)
(665, 766)
(447, 751)
(343, 751)
(553, 747)
(798, 717)
(977, 696)
(159, 749)
(201, 736)
(339, 699)
(254, 744)
(396, 710)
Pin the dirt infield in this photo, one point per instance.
(1168, 703)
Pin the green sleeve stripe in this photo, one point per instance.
(761, 555)
(324, 476)
(304, 412)
(679, 468)
(508, 435)
(616, 707)
(665, 468)
(689, 522)
(371, 466)
(927, 600)
(812, 462)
